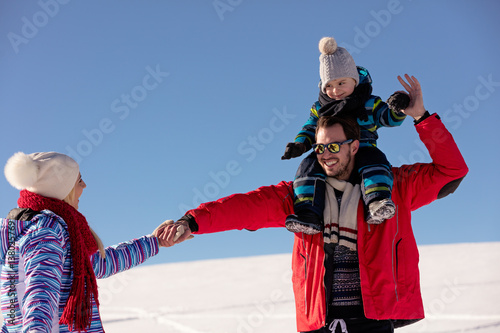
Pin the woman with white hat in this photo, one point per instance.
(49, 256)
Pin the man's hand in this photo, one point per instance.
(293, 149)
(170, 233)
(416, 107)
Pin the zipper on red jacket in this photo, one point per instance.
(394, 256)
(305, 272)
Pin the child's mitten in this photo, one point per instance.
(293, 149)
(398, 101)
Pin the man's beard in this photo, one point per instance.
(343, 171)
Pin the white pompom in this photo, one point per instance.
(327, 45)
(21, 171)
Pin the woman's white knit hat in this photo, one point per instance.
(51, 174)
(335, 62)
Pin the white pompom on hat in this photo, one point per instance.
(335, 62)
(50, 174)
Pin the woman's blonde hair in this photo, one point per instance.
(69, 199)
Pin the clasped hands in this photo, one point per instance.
(170, 233)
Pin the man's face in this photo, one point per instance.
(341, 164)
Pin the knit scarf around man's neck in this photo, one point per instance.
(341, 226)
(77, 313)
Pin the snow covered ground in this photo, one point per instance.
(460, 286)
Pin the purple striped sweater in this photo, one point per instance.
(36, 273)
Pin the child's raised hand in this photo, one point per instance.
(398, 101)
(293, 149)
(416, 107)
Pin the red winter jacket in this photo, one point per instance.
(388, 255)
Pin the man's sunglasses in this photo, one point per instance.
(333, 147)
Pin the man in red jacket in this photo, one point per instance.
(354, 276)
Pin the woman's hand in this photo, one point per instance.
(170, 233)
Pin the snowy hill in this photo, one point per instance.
(460, 284)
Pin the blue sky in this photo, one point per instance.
(166, 104)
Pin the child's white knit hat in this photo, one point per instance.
(51, 174)
(335, 62)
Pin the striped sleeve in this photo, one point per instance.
(383, 116)
(42, 255)
(124, 256)
(308, 132)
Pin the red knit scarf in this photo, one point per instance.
(77, 313)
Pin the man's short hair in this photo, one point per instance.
(349, 125)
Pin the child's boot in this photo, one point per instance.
(380, 210)
(306, 222)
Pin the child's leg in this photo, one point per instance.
(309, 197)
(376, 184)
(309, 187)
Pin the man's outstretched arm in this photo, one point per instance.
(265, 207)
